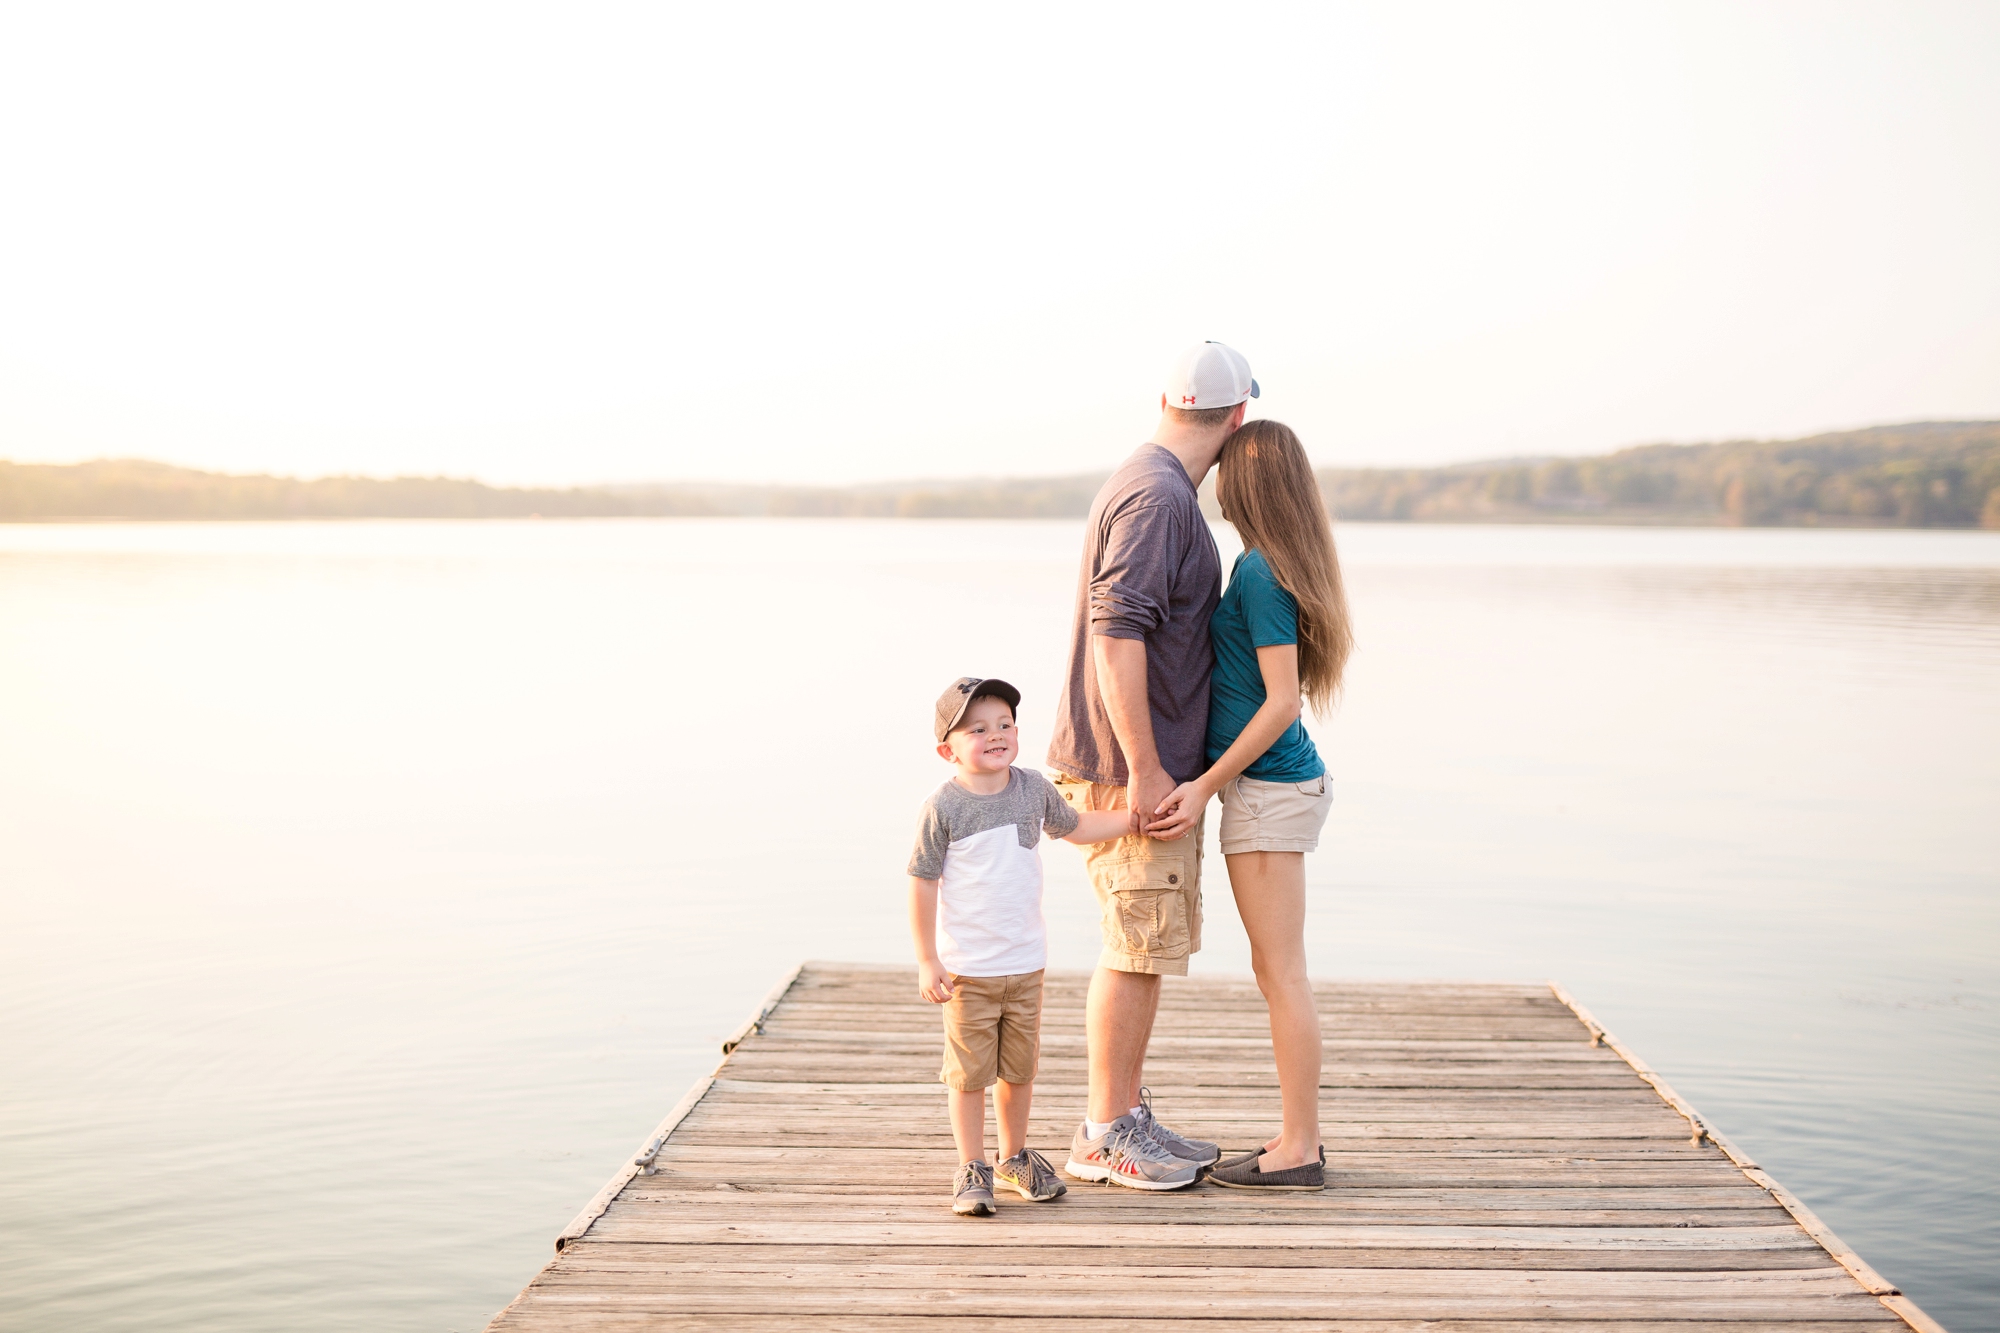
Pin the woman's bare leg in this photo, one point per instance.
(1270, 889)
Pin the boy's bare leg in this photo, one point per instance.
(1270, 889)
(1118, 1025)
(968, 1123)
(1010, 1108)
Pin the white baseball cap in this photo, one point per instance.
(1209, 375)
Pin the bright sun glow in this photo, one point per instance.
(579, 243)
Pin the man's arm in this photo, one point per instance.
(1121, 679)
(1131, 592)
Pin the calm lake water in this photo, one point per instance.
(371, 889)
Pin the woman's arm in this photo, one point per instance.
(1279, 664)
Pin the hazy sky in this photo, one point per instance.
(595, 242)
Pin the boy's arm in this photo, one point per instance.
(1099, 826)
(933, 982)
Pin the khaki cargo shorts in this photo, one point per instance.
(1260, 816)
(992, 1027)
(1148, 891)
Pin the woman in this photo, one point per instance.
(1281, 635)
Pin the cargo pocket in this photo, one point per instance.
(1150, 901)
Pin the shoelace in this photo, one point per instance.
(1158, 1132)
(1136, 1142)
(971, 1174)
(1040, 1173)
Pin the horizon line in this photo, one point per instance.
(961, 479)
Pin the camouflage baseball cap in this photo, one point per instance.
(958, 697)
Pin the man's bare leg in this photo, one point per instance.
(1118, 1025)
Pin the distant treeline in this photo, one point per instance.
(1926, 475)
(132, 489)
(1942, 474)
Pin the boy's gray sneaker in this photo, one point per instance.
(1029, 1174)
(972, 1192)
(1125, 1154)
(1199, 1151)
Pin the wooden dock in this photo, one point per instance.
(1496, 1163)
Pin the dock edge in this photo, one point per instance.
(1871, 1281)
(641, 1162)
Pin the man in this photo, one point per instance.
(1129, 728)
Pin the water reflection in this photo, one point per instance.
(371, 888)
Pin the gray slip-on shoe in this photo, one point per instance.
(1238, 1160)
(972, 1190)
(1246, 1176)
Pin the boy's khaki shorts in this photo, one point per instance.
(992, 1026)
(1148, 891)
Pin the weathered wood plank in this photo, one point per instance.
(1220, 1292)
(1109, 1240)
(1496, 1207)
(1573, 1096)
(694, 1259)
(675, 1321)
(1401, 1168)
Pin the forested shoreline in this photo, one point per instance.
(1921, 475)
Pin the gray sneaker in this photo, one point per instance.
(972, 1192)
(1029, 1175)
(1125, 1154)
(1199, 1151)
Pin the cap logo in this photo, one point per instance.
(1187, 398)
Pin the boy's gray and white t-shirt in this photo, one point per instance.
(982, 850)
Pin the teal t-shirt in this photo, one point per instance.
(1255, 612)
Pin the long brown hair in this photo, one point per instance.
(1269, 493)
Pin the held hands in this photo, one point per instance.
(933, 982)
(1144, 792)
(1176, 815)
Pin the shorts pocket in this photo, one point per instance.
(1237, 797)
(1148, 909)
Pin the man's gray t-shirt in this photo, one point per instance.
(1150, 572)
(983, 851)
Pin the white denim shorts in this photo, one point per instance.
(1259, 816)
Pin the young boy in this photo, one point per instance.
(976, 918)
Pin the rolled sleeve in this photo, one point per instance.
(1133, 588)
